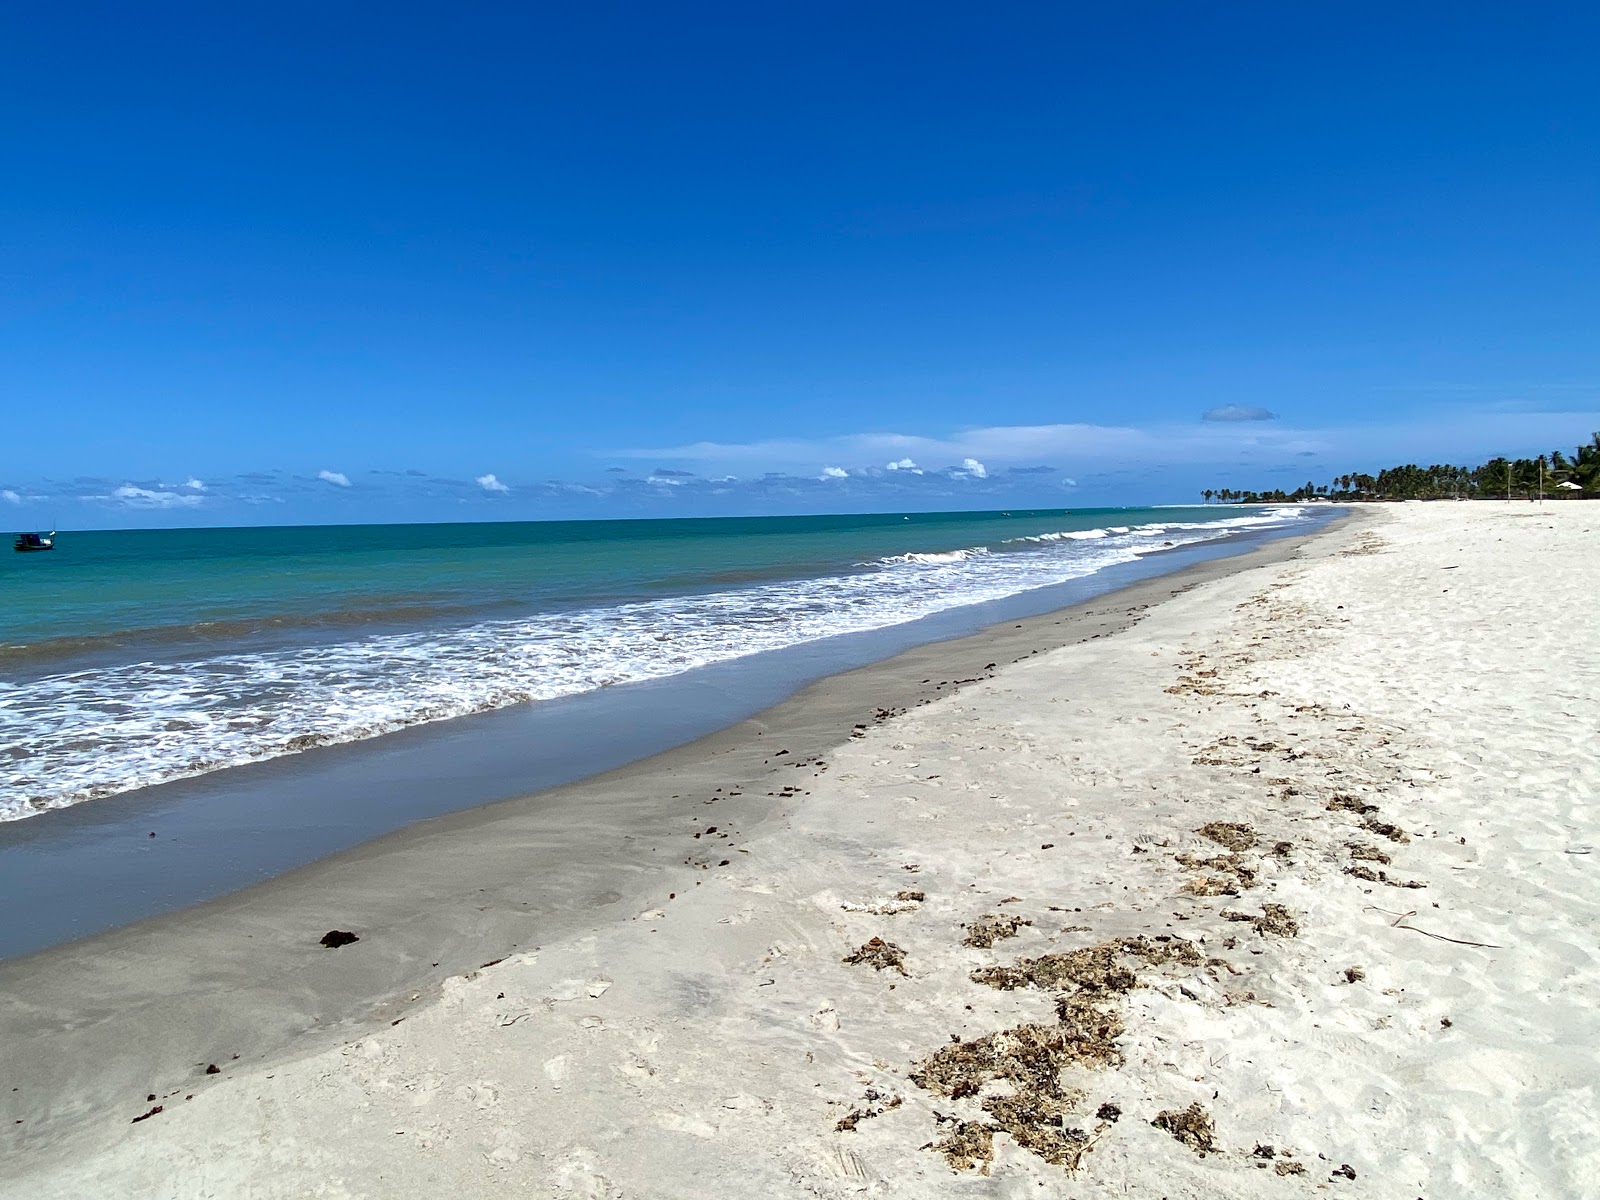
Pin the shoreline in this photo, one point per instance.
(221, 831)
(443, 897)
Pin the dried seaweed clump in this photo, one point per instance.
(989, 929)
(1274, 919)
(1362, 850)
(1028, 1056)
(1037, 1123)
(1351, 804)
(1230, 835)
(869, 1108)
(1233, 875)
(878, 954)
(970, 1144)
(1163, 949)
(1192, 1126)
(1094, 969)
(1384, 829)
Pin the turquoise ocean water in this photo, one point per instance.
(131, 658)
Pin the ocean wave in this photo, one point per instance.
(947, 556)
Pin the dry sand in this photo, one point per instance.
(1412, 699)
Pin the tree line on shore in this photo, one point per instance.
(1555, 476)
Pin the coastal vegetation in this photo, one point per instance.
(1553, 476)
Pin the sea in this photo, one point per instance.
(132, 658)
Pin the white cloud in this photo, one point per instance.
(664, 481)
(835, 473)
(10, 497)
(195, 485)
(1238, 412)
(974, 468)
(1065, 445)
(137, 497)
(337, 478)
(490, 484)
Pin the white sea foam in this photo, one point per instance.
(100, 731)
(946, 556)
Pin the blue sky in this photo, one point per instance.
(391, 262)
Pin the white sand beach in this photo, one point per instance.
(1305, 860)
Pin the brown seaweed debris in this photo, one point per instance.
(848, 1122)
(1288, 1167)
(1192, 1126)
(989, 929)
(878, 954)
(335, 938)
(911, 894)
(970, 1144)
(1037, 1124)
(1030, 1057)
(1233, 876)
(1094, 969)
(1351, 804)
(1367, 852)
(1231, 835)
(1383, 829)
(1162, 949)
(1273, 919)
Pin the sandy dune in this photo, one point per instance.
(1414, 700)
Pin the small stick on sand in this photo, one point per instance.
(1399, 917)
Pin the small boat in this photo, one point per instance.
(27, 542)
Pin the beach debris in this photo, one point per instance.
(147, 1115)
(1384, 829)
(1288, 1167)
(335, 938)
(1029, 1056)
(1274, 919)
(1234, 874)
(1094, 969)
(1107, 1112)
(869, 1108)
(1351, 804)
(970, 1144)
(878, 954)
(1263, 1151)
(1354, 974)
(1036, 1124)
(1367, 852)
(213, 1069)
(1192, 1126)
(911, 895)
(1400, 920)
(989, 929)
(1231, 835)
(1344, 1171)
